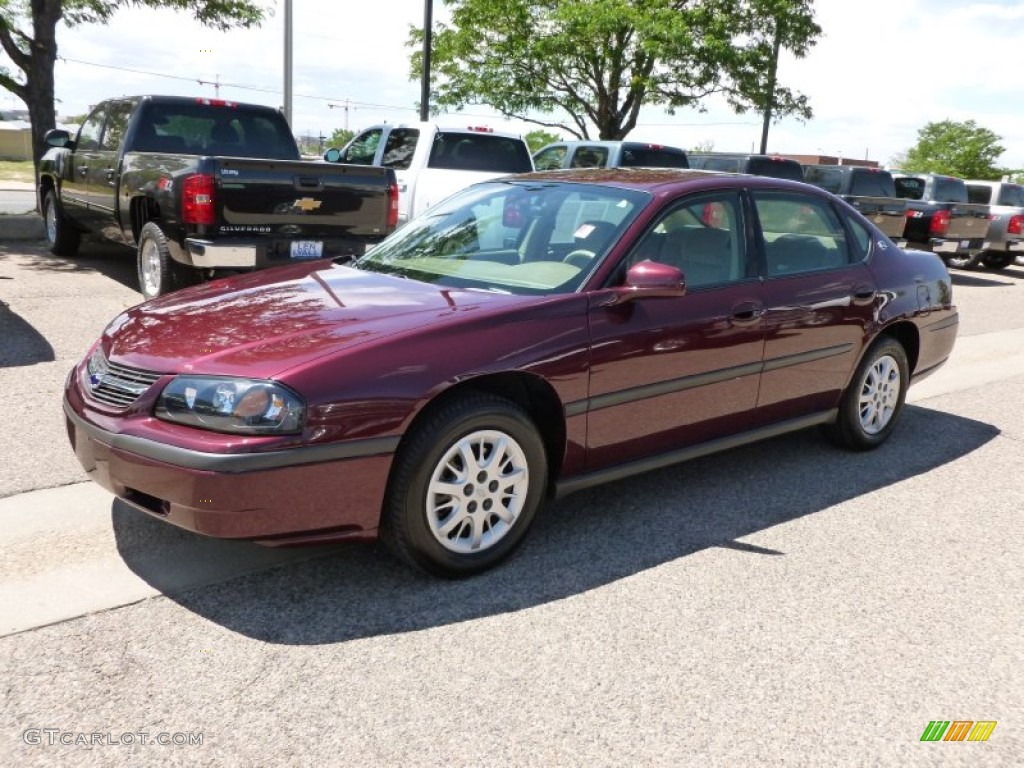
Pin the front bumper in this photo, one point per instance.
(275, 498)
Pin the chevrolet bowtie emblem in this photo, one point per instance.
(307, 204)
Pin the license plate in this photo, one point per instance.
(307, 249)
(945, 246)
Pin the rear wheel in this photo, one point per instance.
(466, 485)
(158, 272)
(872, 404)
(997, 259)
(61, 236)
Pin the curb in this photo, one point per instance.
(27, 226)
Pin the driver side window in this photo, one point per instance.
(703, 237)
(363, 148)
(89, 133)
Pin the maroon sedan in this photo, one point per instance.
(527, 338)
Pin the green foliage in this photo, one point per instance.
(340, 138)
(597, 62)
(956, 149)
(540, 138)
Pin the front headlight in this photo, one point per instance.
(229, 404)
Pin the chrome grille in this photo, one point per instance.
(120, 385)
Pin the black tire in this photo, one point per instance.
(433, 530)
(997, 260)
(158, 273)
(962, 261)
(61, 236)
(871, 405)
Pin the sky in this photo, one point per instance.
(881, 70)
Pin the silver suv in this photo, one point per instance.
(1004, 242)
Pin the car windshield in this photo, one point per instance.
(521, 237)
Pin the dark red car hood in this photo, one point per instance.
(262, 324)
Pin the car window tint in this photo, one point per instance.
(479, 152)
(90, 132)
(549, 159)
(872, 183)
(363, 147)
(826, 178)
(979, 193)
(117, 123)
(589, 157)
(205, 129)
(399, 149)
(1011, 194)
(950, 190)
(860, 244)
(702, 236)
(909, 187)
(653, 157)
(775, 167)
(801, 233)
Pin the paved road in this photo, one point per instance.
(786, 603)
(16, 197)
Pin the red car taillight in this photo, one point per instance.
(940, 223)
(197, 199)
(1016, 225)
(392, 206)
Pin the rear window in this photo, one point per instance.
(206, 129)
(776, 168)
(1011, 194)
(870, 183)
(730, 164)
(979, 193)
(950, 190)
(653, 157)
(909, 187)
(830, 179)
(479, 152)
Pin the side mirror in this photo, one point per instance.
(333, 155)
(57, 137)
(650, 279)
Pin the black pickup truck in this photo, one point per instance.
(202, 185)
(870, 190)
(939, 218)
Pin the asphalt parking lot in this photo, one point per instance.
(783, 603)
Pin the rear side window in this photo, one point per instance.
(871, 183)
(909, 187)
(589, 157)
(400, 147)
(479, 152)
(801, 233)
(777, 168)
(550, 159)
(117, 123)
(653, 157)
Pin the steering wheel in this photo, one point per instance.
(581, 258)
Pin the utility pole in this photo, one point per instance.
(288, 61)
(771, 85)
(428, 30)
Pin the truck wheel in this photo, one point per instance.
(996, 260)
(158, 272)
(963, 261)
(61, 235)
(465, 486)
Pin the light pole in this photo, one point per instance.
(288, 61)
(428, 24)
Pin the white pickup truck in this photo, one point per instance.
(432, 162)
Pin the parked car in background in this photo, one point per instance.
(1004, 242)
(200, 185)
(530, 337)
(759, 165)
(940, 219)
(431, 162)
(870, 190)
(608, 154)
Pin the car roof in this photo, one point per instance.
(651, 179)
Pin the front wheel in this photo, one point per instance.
(871, 405)
(61, 236)
(466, 484)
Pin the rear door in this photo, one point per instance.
(104, 171)
(820, 301)
(75, 187)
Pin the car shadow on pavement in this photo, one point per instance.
(983, 279)
(114, 261)
(22, 343)
(577, 544)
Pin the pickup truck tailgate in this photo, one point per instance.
(968, 221)
(315, 200)
(889, 214)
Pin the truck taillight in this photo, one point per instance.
(1016, 225)
(197, 199)
(940, 223)
(392, 206)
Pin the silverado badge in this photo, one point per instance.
(306, 204)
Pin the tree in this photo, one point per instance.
(340, 137)
(28, 35)
(956, 149)
(595, 63)
(540, 138)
